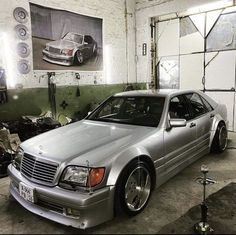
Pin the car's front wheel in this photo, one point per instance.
(134, 188)
(80, 57)
(220, 140)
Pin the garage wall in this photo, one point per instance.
(34, 102)
(118, 59)
(116, 54)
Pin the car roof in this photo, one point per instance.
(75, 33)
(155, 92)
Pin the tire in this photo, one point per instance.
(220, 140)
(133, 188)
(79, 57)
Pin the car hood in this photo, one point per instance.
(84, 140)
(63, 44)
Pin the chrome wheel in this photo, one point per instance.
(80, 57)
(137, 188)
(223, 137)
(220, 139)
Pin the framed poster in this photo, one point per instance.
(64, 40)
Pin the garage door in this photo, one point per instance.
(199, 52)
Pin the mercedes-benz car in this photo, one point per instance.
(109, 163)
(71, 49)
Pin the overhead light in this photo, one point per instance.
(7, 59)
(107, 64)
(208, 7)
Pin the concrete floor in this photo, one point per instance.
(167, 203)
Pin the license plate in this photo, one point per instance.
(26, 192)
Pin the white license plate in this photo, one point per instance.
(26, 192)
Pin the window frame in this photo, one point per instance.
(92, 116)
(193, 116)
(88, 39)
(185, 104)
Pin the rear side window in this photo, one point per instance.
(88, 39)
(197, 105)
(208, 106)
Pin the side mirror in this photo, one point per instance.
(178, 122)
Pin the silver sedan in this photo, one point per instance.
(86, 172)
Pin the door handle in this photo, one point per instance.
(212, 115)
(192, 125)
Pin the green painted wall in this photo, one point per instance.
(35, 101)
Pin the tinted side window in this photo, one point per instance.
(197, 104)
(178, 108)
(88, 39)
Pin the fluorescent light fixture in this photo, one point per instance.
(107, 64)
(7, 58)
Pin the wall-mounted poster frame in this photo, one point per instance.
(64, 40)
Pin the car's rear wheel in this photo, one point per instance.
(80, 57)
(220, 140)
(133, 189)
(95, 50)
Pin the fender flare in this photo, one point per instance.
(123, 159)
(216, 121)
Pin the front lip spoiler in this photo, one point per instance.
(58, 59)
(59, 218)
(94, 208)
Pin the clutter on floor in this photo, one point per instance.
(8, 145)
(12, 133)
(27, 127)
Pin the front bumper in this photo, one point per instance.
(52, 202)
(58, 59)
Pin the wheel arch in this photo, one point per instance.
(75, 54)
(121, 162)
(217, 120)
(117, 206)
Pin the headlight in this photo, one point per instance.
(83, 176)
(68, 52)
(75, 175)
(18, 158)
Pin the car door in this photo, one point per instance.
(179, 141)
(202, 115)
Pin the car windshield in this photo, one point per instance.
(74, 37)
(143, 111)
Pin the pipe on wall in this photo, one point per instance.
(154, 78)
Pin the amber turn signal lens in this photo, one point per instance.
(96, 176)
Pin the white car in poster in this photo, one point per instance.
(72, 48)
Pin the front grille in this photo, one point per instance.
(38, 170)
(54, 50)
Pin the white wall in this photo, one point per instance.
(118, 46)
